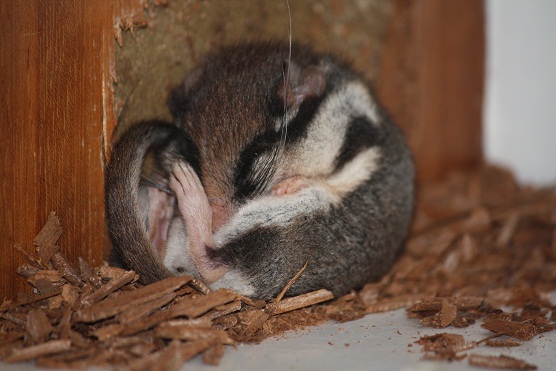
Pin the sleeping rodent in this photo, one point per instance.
(278, 155)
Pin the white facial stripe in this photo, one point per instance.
(347, 102)
(355, 172)
(358, 100)
(326, 134)
(313, 158)
(279, 211)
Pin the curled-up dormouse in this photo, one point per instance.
(273, 160)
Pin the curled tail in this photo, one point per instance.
(132, 247)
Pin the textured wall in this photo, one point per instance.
(178, 33)
(426, 56)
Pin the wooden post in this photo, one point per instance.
(431, 80)
(56, 119)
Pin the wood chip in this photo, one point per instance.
(70, 295)
(186, 332)
(112, 285)
(108, 331)
(147, 323)
(447, 314)
(85, 269)
(26, 354)
(106, 271)
(445, 346)
(127, 300)
(291, 282)
(27, 270)
(200, 286)
(32, 259)
(223, 310)
(136, 313)
(37, 298)
(436, 304)
(502, 343)
(153, 320)
(252, 320)
(198, 305)
(213, 355)
(518, 330)
(300, 301)
(172, 357)
(479, 220)
(479, 243)
(389, 304)
(46, 240)
(499, 362)
(38, 325)
(507, 232)
(69, 272)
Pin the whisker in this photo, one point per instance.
(284, 124)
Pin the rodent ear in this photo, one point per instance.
(299, 84)
(178, 100)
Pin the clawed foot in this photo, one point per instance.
(196, 212)
(192, 200)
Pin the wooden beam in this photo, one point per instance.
(56, 73)
(431, 81)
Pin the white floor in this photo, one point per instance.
(375, 342)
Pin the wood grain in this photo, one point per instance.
(56, 118)
(19, 35)
(431, 81)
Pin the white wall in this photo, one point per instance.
(520, 99)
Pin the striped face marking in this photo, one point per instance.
(319, 137)
(337, 152)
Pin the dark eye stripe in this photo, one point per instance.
(250, 181)
(361, 134)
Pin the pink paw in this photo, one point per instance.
(196, 212)
(290, 185)
(192, 200)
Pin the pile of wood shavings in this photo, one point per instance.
(79, 317)
(479, 242)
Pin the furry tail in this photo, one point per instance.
(131, 245)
